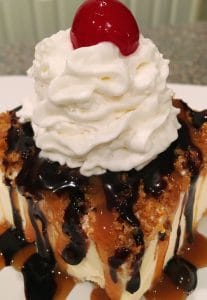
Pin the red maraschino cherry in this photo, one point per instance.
(105, 21)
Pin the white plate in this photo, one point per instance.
(12, 90)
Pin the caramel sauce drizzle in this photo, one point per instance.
(2, 261)
(99, 294)
(165, 289)
(162, 248)
(196, 253)
(105, 234)
(21, 257)
(65, 284)
(4, 227)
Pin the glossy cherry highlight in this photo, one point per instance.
(105, 21)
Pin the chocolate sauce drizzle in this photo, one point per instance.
(189, 210)
(16, 215)
(77, 248)
(20, 139)
(182, 273)
(37, 270)
(198, 118)
(11, 241)
(134, 283)
(39, 174)
(121, 190)
(42, 240)
(117, 260)
(39, 278)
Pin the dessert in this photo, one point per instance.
(103, 175)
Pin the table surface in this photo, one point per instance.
(185, 46)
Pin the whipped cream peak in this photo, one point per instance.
(49, 61)
(99, 110)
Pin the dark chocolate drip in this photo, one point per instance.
(193, 164)
(189, 210)
(134, 283)
(182, 273)
(177, 243)
(52, 176)
(117, 260)
(121, 191)
(192, 154)
(113, 274)
(20, 139)
(198, 118)
(38, 175)
(42, 239)
(47, 175)
(28, 178)
(16, 215)
(11, 241)
(12, 139)
(162, 236)
(153, 174)
(16, 109)
(39, 278)
(77, 248)
(138, 236)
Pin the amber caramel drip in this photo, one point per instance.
(22, 256)
(99, 294)
(2, 261)
(165, 289)
(161, 252)
(65, 284)
(105, 235)
(196, 253)
(29, 231)
(4, 227)
(103, 229)
(53, 208)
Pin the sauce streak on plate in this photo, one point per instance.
(194, 253)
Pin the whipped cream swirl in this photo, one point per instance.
(98, 110)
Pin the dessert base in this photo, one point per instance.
(9, 214)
